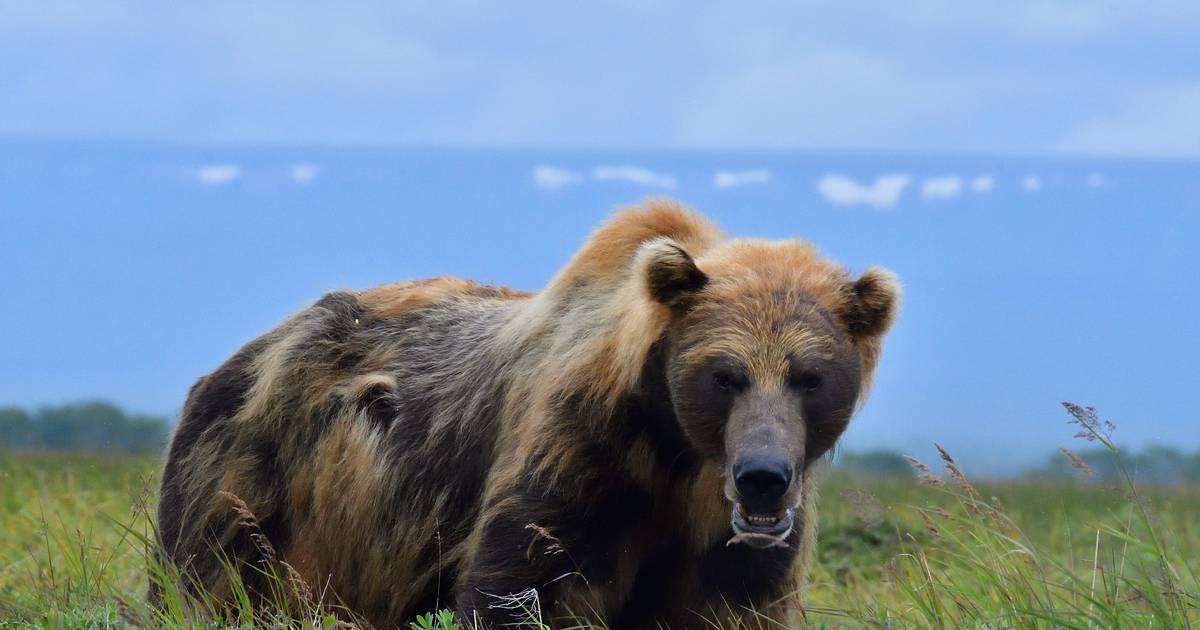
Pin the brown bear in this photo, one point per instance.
(631, 446)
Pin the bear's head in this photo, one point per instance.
(769, 350)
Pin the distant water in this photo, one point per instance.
(131, 269)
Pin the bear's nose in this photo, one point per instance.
(762, 481)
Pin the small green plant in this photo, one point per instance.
(441, 620)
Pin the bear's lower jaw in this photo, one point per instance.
(761, 530)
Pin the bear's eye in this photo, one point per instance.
(808, 382)
(725, 381)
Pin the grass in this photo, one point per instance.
(893, 553)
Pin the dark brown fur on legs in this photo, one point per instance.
(592, 448)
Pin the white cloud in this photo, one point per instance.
(983, 183)
(633, 174)
(778, 76)
(552, 178)
(304, 173)
(218, 174)
(732, 179)
(946, 187)
(843, 191)
(1031, 183)
(1095, 180)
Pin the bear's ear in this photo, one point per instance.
(672, 277)
(872, 303)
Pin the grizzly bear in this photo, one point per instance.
(633, 445)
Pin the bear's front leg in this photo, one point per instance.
(519, 570)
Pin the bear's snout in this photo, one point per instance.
(762, 481)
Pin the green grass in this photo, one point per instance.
(892, 554)
(1015, 554)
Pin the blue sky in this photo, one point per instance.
(175, 181)
(137, 267)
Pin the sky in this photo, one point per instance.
(134, 268)
(1091, 77)
(176, 180)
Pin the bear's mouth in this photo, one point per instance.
(761, 530)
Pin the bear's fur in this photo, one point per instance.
(446, 443)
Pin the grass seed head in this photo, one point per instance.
(866, 506)
(1087, 418)
(1078, 463)
(924, 474)
(956, 473)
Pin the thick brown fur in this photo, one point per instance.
(446, 443)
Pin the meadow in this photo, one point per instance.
(936, 550)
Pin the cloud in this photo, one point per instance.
(946, 187)
(841, 190)
(635, 175)
(983, 183)
(218, 174)
(552, 178)
(1095, 180)
(304, 173)
(1157, 120)
(770, 76)
(724, 180)
(1031, 183)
